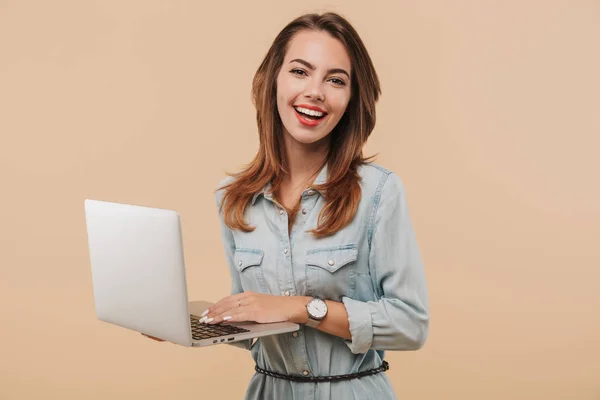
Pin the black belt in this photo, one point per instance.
(298, 378)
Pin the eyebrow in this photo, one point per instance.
(330, 71)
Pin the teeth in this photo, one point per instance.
(309, 112)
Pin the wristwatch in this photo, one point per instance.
(317, 310)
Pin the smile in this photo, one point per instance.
(309, 117)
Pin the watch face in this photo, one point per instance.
(317, 308)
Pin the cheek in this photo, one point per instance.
(339, 104)
(290, 87)
(282, 95)
(282, 84)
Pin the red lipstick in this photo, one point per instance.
(307, 121)
(314, 108)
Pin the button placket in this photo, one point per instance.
(286, 257)
(285, 273)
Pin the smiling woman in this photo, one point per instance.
(338, 251)
(324, 79)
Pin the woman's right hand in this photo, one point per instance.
(153, 338)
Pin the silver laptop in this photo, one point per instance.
(139, 283)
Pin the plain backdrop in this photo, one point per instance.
(489, 114)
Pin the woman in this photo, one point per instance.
(316, 234)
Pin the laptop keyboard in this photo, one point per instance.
(205, 331)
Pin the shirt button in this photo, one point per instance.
(331, 262)
(240, 263)
(287, 293)
(280, 212)
(305, 373)
(285, 251)
(295, 334)
(304, 211)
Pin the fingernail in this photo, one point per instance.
(203, 319)
(226, 318)
(209, 320)
(204, 313)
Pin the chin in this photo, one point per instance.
(305, 137)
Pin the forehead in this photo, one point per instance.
(318, 48)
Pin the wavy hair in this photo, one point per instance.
(342, 191)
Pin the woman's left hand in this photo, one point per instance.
(257, 307)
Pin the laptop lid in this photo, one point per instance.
(138, 269)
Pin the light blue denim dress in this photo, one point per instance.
(373, 266)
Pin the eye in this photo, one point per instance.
(295, 70)
(338, 81)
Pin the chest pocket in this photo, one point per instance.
(248, 263)
(331, 271)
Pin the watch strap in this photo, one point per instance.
(312, 322)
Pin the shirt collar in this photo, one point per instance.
(319, 180)
(264, 191)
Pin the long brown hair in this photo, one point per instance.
(342, 190)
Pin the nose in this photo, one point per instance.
(314, 91)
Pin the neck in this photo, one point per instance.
(304, 160)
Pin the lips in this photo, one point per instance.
(304, 120)
(311, 107)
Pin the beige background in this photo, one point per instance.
(489, 115)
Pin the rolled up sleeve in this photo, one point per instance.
(361, 325)
(399, 319)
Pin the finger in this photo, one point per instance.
(220, 315)
(233, 299)
(236, 316)
(218, 311)
(225, 306)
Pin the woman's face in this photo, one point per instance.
(314, 78)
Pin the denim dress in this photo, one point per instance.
(373, 265)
